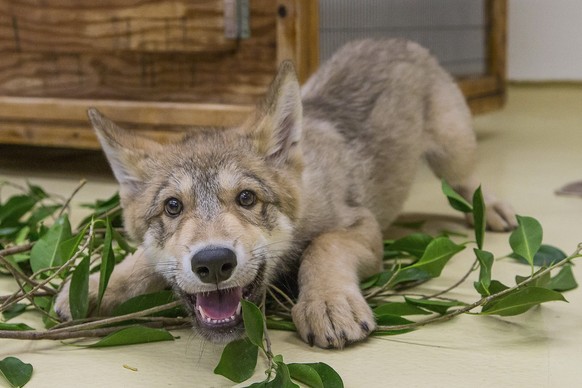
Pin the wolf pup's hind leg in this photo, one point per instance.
(452, 147)
(331, 311)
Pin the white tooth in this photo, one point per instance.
(238, 309)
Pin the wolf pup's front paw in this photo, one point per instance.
(62, 306)
(333, 318)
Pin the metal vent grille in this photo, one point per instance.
(454, 30)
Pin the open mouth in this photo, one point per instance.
(218, 309)
(218, 314)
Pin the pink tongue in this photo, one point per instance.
(220, 304)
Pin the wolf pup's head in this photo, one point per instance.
(215, 211)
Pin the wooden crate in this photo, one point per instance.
(154, 65)
(161, 66)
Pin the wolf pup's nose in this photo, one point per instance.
(214, 265)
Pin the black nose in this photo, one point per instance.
(214, 265)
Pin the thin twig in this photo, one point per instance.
(457, 284)
(483, 300)
(68, 201)
(268, 349)
(19, 275)
(16, 249)
(277, 300)
(121, 318)
(283, 294)
(47, 334)
(51, 277)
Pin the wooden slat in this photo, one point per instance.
(65, 26)
(496, 18)
(58, 134)
(151, 113)
(486, 104)
(478, 86)
(298, 35)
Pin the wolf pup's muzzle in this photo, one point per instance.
(219, 308)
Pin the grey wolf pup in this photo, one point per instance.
(310, 180)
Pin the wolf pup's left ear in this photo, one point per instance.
(277, 126)
(127, 153)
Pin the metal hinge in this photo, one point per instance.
(236, 19)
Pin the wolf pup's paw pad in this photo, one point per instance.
(333, 319)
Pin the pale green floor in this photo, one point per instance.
(526, 152)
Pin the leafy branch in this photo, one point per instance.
(40, 250)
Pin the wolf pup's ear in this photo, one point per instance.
(277, 126)
(127, 153)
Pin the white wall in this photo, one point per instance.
(545, 40)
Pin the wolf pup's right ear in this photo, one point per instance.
(276, 127)
(126, 152)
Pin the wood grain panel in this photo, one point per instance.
(57, 26)
(233, 77)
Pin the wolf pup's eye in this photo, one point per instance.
(246, 198)
(173, 207)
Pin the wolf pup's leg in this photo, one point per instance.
(452, 148)
(132, 277)
(331, 311)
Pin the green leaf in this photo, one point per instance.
(13, 210)
(564, 280)
(253, 320)
(540, 281)
(456, 201)
(527, 238)
(133, 335)
(238, 360)
(305, 374)
(283, 377)
(486, 260)
(544, 257)
(436, 256)
(16, 372)
(122, 242)
(520, 301)
(280, 325)
(100, 207)
(15, 326)
(41, 213)
(107, 262)
(329, 377)
(399, 308)
(79, 290)
(147, 301)
(391, 320)
(479, 217)
(14, 311)
(410, 273)
(414, 244)
(36, 191)
(377, 280)
(438, 306)
(47, 251)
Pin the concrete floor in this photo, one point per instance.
(527, 151)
